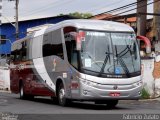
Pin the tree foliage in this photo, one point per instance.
(80, 15)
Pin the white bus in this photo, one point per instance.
(85, 60)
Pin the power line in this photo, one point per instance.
(104, 6)
(58, 5)
(46, 5)
(46, 8)
(39, 10)
(131, 10)
(119, 8)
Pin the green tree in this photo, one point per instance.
(81, 15)
(61, 14)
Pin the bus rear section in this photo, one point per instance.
(86, 60)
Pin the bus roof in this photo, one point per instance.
(90, 24)
(94, 25)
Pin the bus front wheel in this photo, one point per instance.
(62, 100)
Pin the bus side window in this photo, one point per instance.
(13, 56)
(57, 46)
(72, 54)
(70, 42)
(52, 44)
(47, 47)
(24, 51)
(68, 47)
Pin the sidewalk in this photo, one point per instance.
(158, 99)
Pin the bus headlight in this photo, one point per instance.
(89, 83)
(139, 83)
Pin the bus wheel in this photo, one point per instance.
(22, 94)
(62, 100)
(112, 104)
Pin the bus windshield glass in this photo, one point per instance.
(113, 54)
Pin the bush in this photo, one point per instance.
(145, 94)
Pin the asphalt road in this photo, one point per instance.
(41, 106)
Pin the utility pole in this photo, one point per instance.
(0, 10)
(16, 20)
(0, 24)
(156, 21)
(141, 19)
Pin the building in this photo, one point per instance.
(7, 31)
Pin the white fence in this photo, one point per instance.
(4, 78)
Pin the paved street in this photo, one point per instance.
(12, 104)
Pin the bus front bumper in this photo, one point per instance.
(94, 91)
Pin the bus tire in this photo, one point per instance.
(62, 100)
(21, 91)
(23, 95)
(112, 103)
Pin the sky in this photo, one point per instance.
(31, 9)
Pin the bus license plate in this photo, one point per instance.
(114, 94)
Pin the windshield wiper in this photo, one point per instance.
(104, 64)
(122, 63)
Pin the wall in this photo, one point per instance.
(148, 80)
(151, 76)
(4, 78)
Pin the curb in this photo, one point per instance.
(151, 99)
(4, 91)
(141, 100)
(147, 100)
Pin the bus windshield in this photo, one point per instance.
(113, 54)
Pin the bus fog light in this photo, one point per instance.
(139, 83)
(85, 92)
(89, 83)
(83, 81)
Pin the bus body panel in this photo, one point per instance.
(101, 88)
